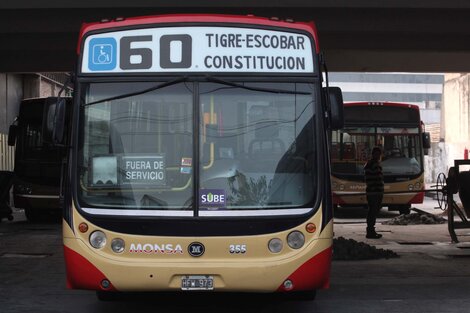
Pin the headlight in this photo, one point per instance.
(118, 245)
(418, 186)
(410, 187)
(97, 239)
(295, 239)
(275, 245)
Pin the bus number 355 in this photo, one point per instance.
(237, 248)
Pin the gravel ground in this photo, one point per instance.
(420, 217)
(350, 249)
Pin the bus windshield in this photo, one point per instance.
(36, 160)
(232, 147)
(352, 146)
(30, 143)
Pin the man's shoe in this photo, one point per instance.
(373, 235)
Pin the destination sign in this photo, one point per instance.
(198, 49)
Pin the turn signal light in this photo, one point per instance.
(83, 227)
(311, 228)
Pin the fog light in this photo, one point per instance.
(288, 285)
(105, 284)
(118, 245)
(295, 239)
(275, 245)
(97, 239)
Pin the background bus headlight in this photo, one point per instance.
(275, 245)
(118, 245)
(295, 239)
(98, 239)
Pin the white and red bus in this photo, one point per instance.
(199, 157)
(398, 129)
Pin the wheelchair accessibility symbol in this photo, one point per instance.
(102, 54)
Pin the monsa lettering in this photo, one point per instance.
(149, 248)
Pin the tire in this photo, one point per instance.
(32, 215)
(107, 295)
(404, 210)
(308, 295)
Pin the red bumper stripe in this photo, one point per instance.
(81, 273)
(313, 274)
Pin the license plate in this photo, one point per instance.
(198, 282)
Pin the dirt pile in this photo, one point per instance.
(350, 249)
(415, 219)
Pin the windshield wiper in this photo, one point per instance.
(140, 92)
(148, 200)
(233, 84)
(118, 199)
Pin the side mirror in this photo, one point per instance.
(336, 107)
(426, 140)
(58, 122)
(12, 133)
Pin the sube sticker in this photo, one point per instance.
(212, 198)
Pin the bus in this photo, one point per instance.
(396, 128)
(199, 157)
(38, 161)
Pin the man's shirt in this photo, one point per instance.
(374, 176)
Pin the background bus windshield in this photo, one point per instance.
(352, 146)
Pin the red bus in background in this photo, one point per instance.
(398, 129)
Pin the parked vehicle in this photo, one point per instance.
(38, 162)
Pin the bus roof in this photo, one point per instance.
(198, 18)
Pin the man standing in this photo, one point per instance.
(374, 190)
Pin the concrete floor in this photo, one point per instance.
(431, 275)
